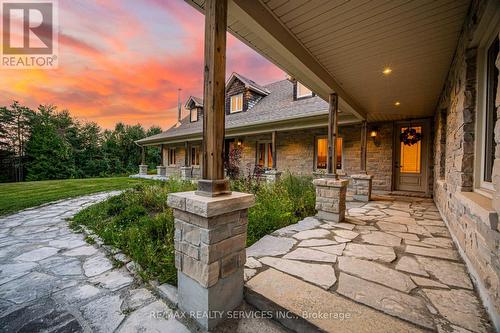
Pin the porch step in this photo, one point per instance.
(302, 307)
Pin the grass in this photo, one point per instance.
(140, 224)
(17, 196)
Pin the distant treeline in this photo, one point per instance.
(50, 144)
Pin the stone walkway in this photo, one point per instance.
(51, 280)
(391, 267)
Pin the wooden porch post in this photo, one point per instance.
(363, 147)
(273, 145)
(186, 155)
(332, 136)
(143, 155)
(161, 155)
(213, 182)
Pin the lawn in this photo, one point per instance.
(140, 224)
(17, 196)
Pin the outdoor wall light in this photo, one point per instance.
(373, 133)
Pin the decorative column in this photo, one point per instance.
(143, 168)
(362, 182)
(330, 190)
(210, 241)
(161, 169)
(273, 175)
(186, 170)
(211, 223)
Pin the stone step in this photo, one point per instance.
(303, 307)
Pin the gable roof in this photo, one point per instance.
(277, 106)
(198, 102)
(249, 84)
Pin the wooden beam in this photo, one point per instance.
(273, 145)
(143, 155)
(161, 155)
(363, 147)
(332, 135)
(212, 182)
(187, 153)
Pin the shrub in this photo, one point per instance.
(139, 222)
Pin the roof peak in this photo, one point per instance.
(248, 83)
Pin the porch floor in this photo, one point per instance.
(392, 266)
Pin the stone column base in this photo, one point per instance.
(143, 169)
(330, 198)
(186, 172)
(210, 241)
(161, 170)
(362, 185)
(272, 175)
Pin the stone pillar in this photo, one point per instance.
(330, 198)
(210, 240)
(362, 185)
(272, 175)
(186, 172)
(161, 170)
(143, 169)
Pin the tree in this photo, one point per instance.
(50, 155)
(153, 157)
(15, 129)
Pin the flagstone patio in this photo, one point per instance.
(51, 280)
(391, 266)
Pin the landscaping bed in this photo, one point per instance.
(139, 223)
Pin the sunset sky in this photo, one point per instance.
(124, 61)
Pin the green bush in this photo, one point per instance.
(139, 222)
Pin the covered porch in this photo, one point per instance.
(408, 263)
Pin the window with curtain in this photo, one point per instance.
(195, 156)
(322, 153)
(236, 103)
(265, 155)
(171, 156)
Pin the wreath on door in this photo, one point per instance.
(410, 136)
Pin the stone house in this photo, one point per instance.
(428, 75)
(295, 117)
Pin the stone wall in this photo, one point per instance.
(471, 216)
(296, 150)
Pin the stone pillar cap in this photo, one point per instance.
(362, 176)
(210, 206)
(330, 182)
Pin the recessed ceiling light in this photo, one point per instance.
(397, 103)
(387, 71)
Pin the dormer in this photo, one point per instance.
(195, 107)
(300, 91)
(242, 94)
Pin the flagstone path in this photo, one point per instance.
(51, 280)
(391, 266)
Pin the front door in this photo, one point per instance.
(411, 160)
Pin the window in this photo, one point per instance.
(195, 156)
(490, 112)
(322, 153)
(236, 103)
(487, 75)
(265, 155)
(194, 114)
(171, 156)
(303, 91)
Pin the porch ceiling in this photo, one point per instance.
(344, 46)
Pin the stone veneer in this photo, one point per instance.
(210, 240)
(471, 217)
(362, 186)
(143, 169)
(161, 170)
(330, 198)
